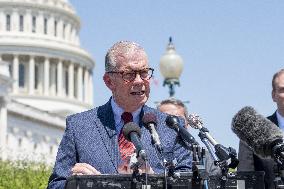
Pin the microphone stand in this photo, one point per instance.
(205, 141)
(134, 165)
(278, 156)
(167, 165)
(223, 157)
(278, 180)
(198, 167)
(137, 161)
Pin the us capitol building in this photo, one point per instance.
(44, 76)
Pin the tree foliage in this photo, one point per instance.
(23, 174)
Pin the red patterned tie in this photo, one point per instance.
(126, 148)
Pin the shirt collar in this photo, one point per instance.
(117, 111)
(280, 120)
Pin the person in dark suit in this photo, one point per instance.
(249, 161)
(91, 143)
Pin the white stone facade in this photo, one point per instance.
(49, 74)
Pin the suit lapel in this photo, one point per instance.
(273, 119)
(108, 132)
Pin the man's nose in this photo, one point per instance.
(138, 78)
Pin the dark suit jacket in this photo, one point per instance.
(251, 162)
(90, 137)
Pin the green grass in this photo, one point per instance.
(23, 175)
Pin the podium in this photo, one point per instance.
(154, 181)
(239, 180)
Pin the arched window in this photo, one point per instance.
(35, 146)
(36, 76)
(21, 24)
(10, 68)
(56, 86)
(34, 24)
(45, 26)
(55, 28)
(64, 30)
(8, 22)
(22, 75)
(20, 142)
(75, 82)
(66, 82)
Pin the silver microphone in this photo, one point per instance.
(196, 122)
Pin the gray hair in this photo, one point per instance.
(274, 78)
(175, 102)
(121, 49)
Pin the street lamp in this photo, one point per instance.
(171, 66)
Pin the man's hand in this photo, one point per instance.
(130, 163)
(84, 169)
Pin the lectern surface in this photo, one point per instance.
(239, 180)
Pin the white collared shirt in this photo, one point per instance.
(117, 111)
(280, 120)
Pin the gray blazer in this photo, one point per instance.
(90, 137)
(249, 161)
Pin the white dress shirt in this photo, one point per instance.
(117, 111)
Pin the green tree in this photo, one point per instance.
(24, 175)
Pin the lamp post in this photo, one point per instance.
(171, 66)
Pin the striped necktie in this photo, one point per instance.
(126, 147)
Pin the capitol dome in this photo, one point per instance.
(39, 39)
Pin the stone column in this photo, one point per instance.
(59, 78)
(31, 75)
(67, 31)
(28, 22)
(15, 74)
(5, 82)
(50, 26)
(73, 34)
(40, 23)
(15, 20)
(80, 82)
(2, 21)
(46, 77)
(71, 80)
(86, 85)
(60, 28)
(3, 127)
(91, 88)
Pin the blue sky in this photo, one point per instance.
(230, 49)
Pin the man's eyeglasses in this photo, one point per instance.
(129, 76)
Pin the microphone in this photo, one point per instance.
(150, 122)
(196, 122)
(221, 154)
(173, 122)
(132, 133)
(263, 136)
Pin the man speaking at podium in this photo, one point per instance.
(93, 144)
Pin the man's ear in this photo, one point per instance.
(108, 81)
(273, 95)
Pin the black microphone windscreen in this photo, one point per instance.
(257, 131)
(149, 118)
(172, 122)
(129, 128)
